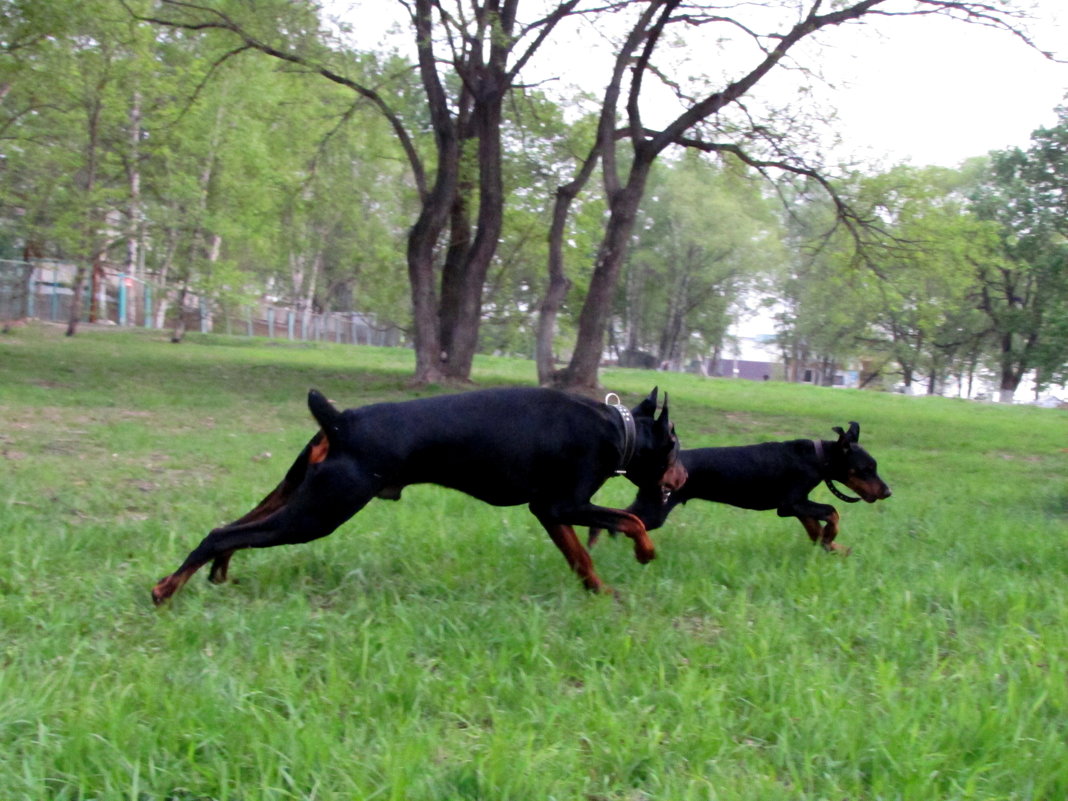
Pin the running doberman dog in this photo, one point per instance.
(506, 447)
(773, 475)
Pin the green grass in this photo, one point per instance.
(439, 648)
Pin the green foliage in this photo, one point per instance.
(237, 175)
(825, 301)
(1024, 284)
(705, 236)
(438, 648)
(925, 269)
(249, 174)
(960, 268)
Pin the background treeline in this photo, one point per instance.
(236, 150)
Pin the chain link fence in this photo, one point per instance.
(44, 290)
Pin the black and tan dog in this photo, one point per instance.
(506, 447)
(773, 475)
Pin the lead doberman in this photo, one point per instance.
(773, 475)
(506, 447)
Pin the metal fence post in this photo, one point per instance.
(31, 293)
(54, 305)
(122, 299)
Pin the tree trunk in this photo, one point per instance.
(487, 91)
(581, 372)
(98, 292)
(559, 284)
(672, 345)
(437, 205)
(76, 300)
(89, 231)
(1010, 375)
(179, 325)
(207, 320)
(133, 236)
(164, 271)
(453, 271)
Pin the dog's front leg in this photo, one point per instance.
(823, 530)
(577, 557)
(633, 527)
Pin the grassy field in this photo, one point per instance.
(439, 648)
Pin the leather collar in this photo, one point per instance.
(630, 434)
(821, 458)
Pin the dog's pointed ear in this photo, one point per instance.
(847, 438)
(663, 419)
(647, 407)
(323, 411)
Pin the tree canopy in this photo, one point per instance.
(237, 152)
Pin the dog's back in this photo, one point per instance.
(502, 446)
(757, 476)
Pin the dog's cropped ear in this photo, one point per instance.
(846, 438)
(663, 419)
(647, 408)
(323, 411)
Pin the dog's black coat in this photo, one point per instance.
(507, 447)
(772, 475)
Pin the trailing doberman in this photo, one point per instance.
(773, 475)
(540, 447)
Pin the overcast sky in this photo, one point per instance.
(938, 92)
(918, 90)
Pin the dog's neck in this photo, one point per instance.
(823, 463)
(630, 434)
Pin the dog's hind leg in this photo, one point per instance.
(328, 496)
(314, 452)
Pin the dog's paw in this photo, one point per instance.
(644, 554)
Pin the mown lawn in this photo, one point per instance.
(439, 648)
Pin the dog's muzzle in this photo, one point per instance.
(673, 480)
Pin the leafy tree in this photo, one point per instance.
(127, 144)
(714, 118)
(824, 301)
(1024, 282)
(685, 276)
(67, 90)
(926, 290)
(467, 60)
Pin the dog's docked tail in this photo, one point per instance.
(324, 412)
